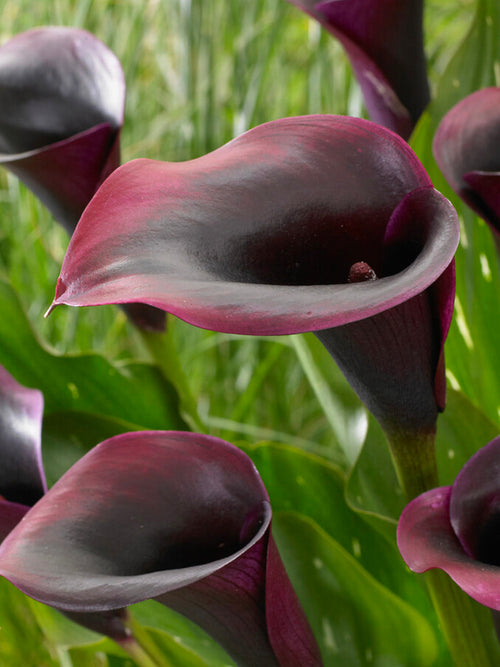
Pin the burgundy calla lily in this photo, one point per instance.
(455, 528)
(466, 150)
(179, 517)
(22, 478)
(275, 233)
(384, 42)
(63, 96)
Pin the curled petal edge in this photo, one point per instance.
(426, 540)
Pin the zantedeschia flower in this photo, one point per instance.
(384, 42)
(466, 150)
(63, 96)
(455, 528)
(22, 478)
(275, 233)
(179, 517)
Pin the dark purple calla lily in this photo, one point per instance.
(179, 517)
(22, 478)
(466, 150)
(62, 95)
(455, 528)
(384, 42)
(274, 233)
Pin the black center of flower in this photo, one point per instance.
(488, 541)
(360, 272)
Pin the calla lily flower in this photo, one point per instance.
(384, 42)
(276, 233)
(22, 478)
(466, 150)
(455, 528)
(63, 96)
(179, 517)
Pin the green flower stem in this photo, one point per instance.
(142, 648)
(163, 351)
(466, 625)
(414, 456)
(137, 653)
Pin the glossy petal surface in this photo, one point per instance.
(466, 150)
(22, 479)
(403, 344)
(258, 237)
(426, 540)
(475, 505)
(63, 95)
(263, 236)
(384, 42)
(145, 514)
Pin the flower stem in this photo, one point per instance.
(142, 648)
(162, 349)
(137, 653)
(466, 625)
(414, 457)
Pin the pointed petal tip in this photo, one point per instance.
(50, 308)
(60, 290)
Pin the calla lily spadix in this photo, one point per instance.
(275, 233)
(466, 148)
(62, 95)
(455, 528)
(384, 42)
(179, 517)
(22, 478)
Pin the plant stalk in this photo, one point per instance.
(142, 648)
(466, 625)
(163, 351)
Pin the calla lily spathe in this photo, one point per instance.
(179, 517)
(466, 148)
(22, 478)
(455, 528)
(62, 97)
(384, 42)
(267, 235)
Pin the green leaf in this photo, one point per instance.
(192, 642)
(474, 65)
(373, 488)
(356, 620)
(301, 482)
(463, 430)
(471, 366)
(137, 392)
(69, 435)
(59, 629)
(346, 416)
(21, 641)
